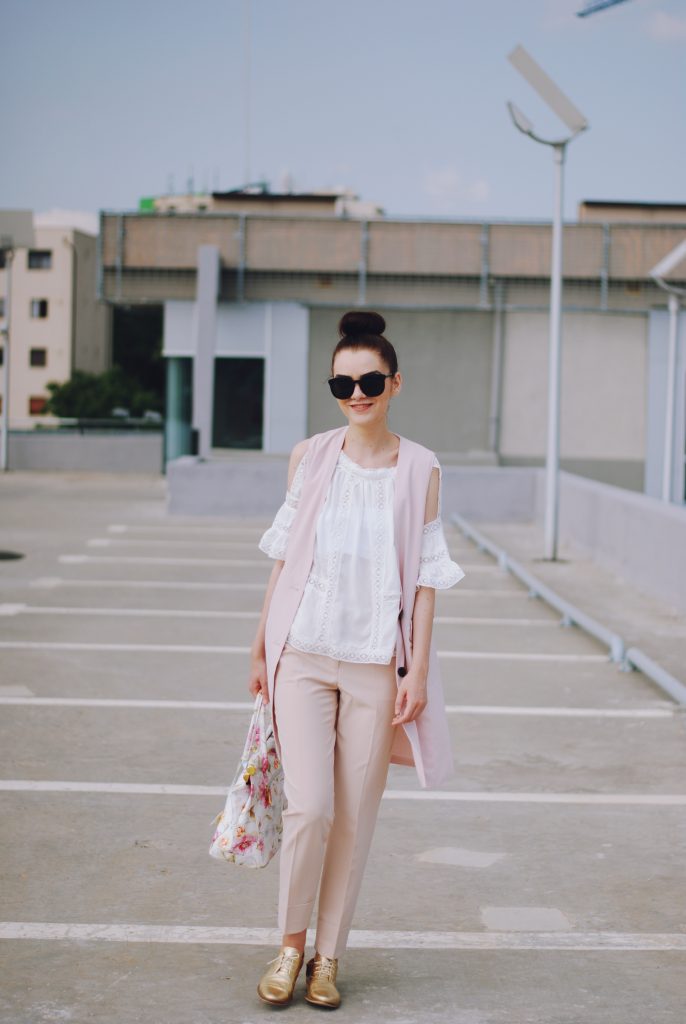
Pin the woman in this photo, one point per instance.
(356, 516)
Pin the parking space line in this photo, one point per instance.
(599, 941)
(194, 527)
(9, 610)
(247, 706)
(59, 581)
(475, 796)
(250, 545)
(77, 559)
(50, 645)
(49, 582)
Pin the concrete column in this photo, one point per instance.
(204, 335)
(177, 426)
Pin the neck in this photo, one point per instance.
(372, 437)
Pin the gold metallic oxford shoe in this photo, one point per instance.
(277, 983)
(321, 977)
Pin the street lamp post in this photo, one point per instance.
(576, 122)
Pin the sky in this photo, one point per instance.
(402, 101)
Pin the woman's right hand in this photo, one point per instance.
(258, 677)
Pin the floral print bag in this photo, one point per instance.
(248, 830)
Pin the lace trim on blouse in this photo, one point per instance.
(436, 568)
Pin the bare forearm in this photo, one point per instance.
(257, 649)
(422, 627)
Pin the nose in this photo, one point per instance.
(358, 393)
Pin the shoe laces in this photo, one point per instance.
(323, 967)
(285, 961)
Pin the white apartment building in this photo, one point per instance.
(57, 324)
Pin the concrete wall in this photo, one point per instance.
(639, 537)
(128, 452)
(93, 319)
(255, 485)
(445, 360)
(603, 399)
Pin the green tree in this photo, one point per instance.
(95, 395)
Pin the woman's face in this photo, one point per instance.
(359, 408)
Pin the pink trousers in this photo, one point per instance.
(334, 724)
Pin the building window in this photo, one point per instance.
(38, 357)
(3, 259)
(40, 259)
(2, 355)
(37, 405)
(39, 308)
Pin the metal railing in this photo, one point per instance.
(627, 658)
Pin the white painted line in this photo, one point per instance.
(357, 938)
(196, 613)
(463, 620)
(566, 712)
(522, 656)
(193, 527)
(478, 796)
(58, 581)
(265, 561)
(49, 645)
(112, 542)
(113, 702)
(247, 706)
(657, 799)
(187, 613)
(229, 562)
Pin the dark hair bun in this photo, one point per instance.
(359, 322)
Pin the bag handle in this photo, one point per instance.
(251, 729)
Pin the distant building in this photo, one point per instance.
(258, 199)
(616, 211)
(57, 323)
(250, 299)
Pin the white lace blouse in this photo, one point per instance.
(350, 603)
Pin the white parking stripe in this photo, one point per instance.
(147, 542)
(247, 706)
(357, 938)
(59, 581)
(250, 545)
(234, 562)
(180, 527)
(50, 645)
(478, 796)
(198, 613)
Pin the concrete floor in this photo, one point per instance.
(543, 884)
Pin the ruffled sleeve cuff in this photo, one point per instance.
(274, 541)
(436, 568)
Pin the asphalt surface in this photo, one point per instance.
(543, 884)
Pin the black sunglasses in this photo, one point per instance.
(371, 384)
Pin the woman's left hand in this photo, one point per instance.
(411, 694)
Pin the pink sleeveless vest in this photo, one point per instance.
(424, 743)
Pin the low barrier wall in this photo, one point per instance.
(639, 537)
(256, 486)
(104, 452)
